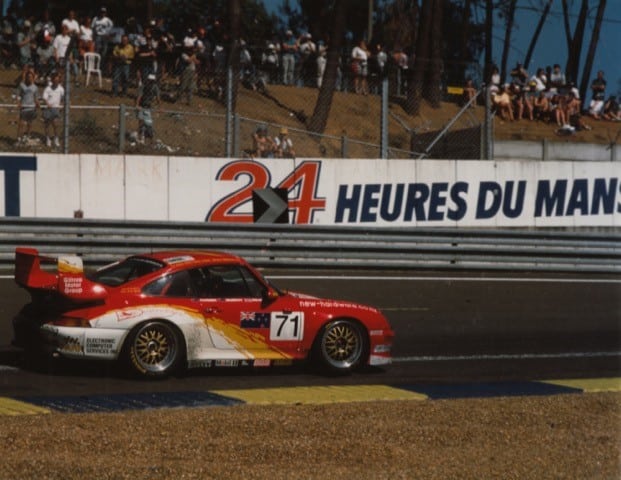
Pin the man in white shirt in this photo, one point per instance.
(53, 96)
(102, 27)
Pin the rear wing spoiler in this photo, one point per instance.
(69, 279)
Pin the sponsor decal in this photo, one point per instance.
(122, 315)
(227, 363)
(262, 362)
(283, 363)
(72, 285)
(254, 320)
(286, 326)
(100, 346)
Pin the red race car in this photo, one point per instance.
(162, 311)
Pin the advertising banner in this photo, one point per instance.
(469, 193)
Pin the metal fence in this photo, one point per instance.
(300, 246)
(97, 122)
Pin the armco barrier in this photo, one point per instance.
(302, 246)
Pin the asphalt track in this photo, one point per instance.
(464, 334)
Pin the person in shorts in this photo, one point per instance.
(148, 98)
(27, 104)
(53, 96)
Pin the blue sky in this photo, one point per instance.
(551, 46)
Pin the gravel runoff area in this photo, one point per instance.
(564, 436)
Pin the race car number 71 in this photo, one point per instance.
(287, 326)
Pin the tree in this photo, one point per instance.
(509, 14)
(588, 65)
(574, 43)
(540, 24)
(319, 119)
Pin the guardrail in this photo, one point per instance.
(303, 246)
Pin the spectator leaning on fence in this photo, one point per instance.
(53, 96)
(27, 104)
(148, 98)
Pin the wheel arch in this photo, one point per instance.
(314, 352)
(183, 344)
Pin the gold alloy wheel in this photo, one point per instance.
(155, 348)
(342, 344)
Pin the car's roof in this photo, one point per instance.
(173, 257)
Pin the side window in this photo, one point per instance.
(255, 287)
(176, 285)
(227, 281)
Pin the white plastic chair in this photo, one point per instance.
(92, 63)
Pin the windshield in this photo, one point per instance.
(125, 271)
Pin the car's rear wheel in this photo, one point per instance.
(341, 346)
(154, 349)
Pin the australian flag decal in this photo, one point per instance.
(254, 320)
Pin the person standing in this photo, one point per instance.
(122, 55)
(148, 98)
(289, 50)
(53, 96)
(360, 69)
(27, 104)
(188, 62)
(102, 27)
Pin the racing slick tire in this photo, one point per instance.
(341, 346)
(154, 349)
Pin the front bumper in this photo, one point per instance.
(381, 347)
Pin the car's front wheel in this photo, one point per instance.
(154, 349)
(342, 346)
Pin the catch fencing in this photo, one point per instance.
(299, 246)
(373, 125)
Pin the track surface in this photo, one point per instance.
(450, 328)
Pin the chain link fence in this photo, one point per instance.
(372, 123)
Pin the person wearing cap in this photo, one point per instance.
(148, 98)
(25, 38)
(289, 48)
(283, 146)
(102, 27)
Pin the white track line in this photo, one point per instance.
(447, 279)
(516, 356)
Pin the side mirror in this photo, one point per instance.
(269, 295)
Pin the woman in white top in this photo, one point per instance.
(86, 37)
(360, 69)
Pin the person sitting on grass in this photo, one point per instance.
(284, 145)
(263, 145)
(503, 103)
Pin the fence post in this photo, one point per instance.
(489, 125)
(236, 139)
(121, 128)
(228, 127)
(343, 146)
(384, 120)
(66, 109)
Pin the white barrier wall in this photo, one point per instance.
(510, 193)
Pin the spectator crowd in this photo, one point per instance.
(548, 96)
(194, 58)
